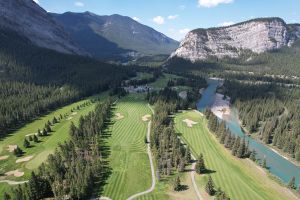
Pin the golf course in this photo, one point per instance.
(239, 178)
(18, 169)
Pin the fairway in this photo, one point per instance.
(38, 152)
(128, 159)
(240, 179)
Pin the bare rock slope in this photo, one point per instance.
(258, 36)
(31, 21)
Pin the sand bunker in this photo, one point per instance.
(3, 157)
(146, 118)
(119, 116)
(15, 173)
(25, 159)
(74, 113)
(69, 118)
(11, 148)
(190, 123)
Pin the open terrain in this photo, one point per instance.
(241, 179)
(128, 159)
(37, 153)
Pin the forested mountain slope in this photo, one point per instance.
(31, 21)
(114, 36)
(34, 80)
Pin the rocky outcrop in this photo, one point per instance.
(258, 36)
(29, 20)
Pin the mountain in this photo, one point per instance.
(114, 36)
(28, 19)
(257, 36)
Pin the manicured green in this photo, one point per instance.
(237, 177)
(128, 159)
(46, 145)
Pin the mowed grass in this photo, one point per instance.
(128, 159)
(241, 179)
(46, 146)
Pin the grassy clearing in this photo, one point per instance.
(162, 82)
(241, 179)
(142, 75)
(46, 146)
(128, 159)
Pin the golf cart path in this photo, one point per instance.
(13, 182)
(199, 197)
(151, 163)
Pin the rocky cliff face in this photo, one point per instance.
(28, 19)
(259, 35)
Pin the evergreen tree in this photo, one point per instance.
(200, 165)
(48, 128)
(30, 138)
(253, 155)
(177, 184)
(26, 144)
(39, 133)
(236, 146)
(54, 121)
(17, 151)
(187, 155)
(213, 123)
(6, 196)
(264, 164)
(210, 187)
(291, 183)
(242, 149)
(45, 132)
(35, 139)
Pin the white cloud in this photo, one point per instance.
(184, 31)
(213, 3)
(171, 17)
(79, 4)
(226, 23)
(159, 20)
(36, 1)
(136, 19)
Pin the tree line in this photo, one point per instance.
(75, 167)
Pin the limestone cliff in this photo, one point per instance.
(258, 35)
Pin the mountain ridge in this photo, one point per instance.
(256, 35)
(30, 20)
(122, 35)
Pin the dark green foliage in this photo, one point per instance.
(271, 111)
(253, 155)
(34, 80)
(210, 186)
(221, 195)
(6, 196)
(177, 184)
(63, 178)
(54, 121)
(30, 138)
(200, 165)
(48, 128)
(45, 133)
(26, 144)
(35, 139)
(18, 152)
(264, 164)
(291, 183)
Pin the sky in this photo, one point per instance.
(175, 18)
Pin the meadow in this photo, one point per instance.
(241, 179)
(38, 152)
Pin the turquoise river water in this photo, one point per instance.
(278, 165)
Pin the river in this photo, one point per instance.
(278, 165)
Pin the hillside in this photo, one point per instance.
(31, 21)
(255, 36)
(114, 36)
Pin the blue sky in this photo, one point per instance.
(175, 17)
